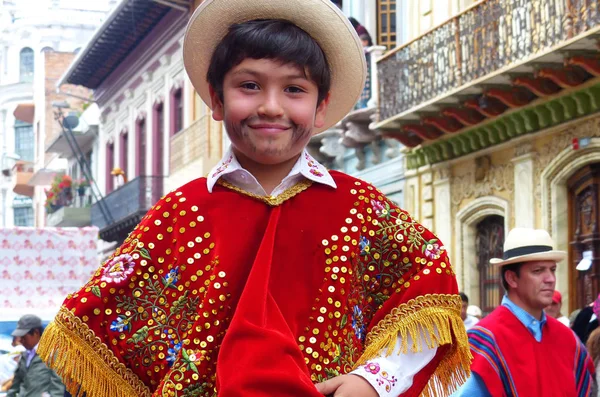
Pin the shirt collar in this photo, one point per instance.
(527, 319)
(306, 166)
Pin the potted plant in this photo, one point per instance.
(82, 185)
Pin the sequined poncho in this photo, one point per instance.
(228, 293)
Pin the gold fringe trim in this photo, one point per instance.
(272, 201)
(437, 317)
(85, 364)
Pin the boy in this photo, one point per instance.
(272, 276)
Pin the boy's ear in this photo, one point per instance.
(216, 104)
(322, 112)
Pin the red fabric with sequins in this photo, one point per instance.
(221, 291)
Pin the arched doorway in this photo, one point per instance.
(584, 234)
(489, 244)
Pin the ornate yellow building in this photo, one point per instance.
(498, 110)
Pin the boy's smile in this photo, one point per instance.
(269, 110)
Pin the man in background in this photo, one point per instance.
(469, 320)
(32, 377)
(554, 309)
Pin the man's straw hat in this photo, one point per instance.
(526, 245)
(321, 19)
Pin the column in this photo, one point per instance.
(524, 189)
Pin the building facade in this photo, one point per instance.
(154, 132)
(498, 110)
(29, 30)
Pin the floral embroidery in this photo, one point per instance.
(313, 165)
(173, 351)
(170, 280)
(364, 245)
(223, 166)
(381, 210)
(150, 304)
(372, 368)
(120, 324)
(118, 269)
(358, 323)
(382, 378)
(433, 250)
(316, 172)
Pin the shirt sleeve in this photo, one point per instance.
(393, 375)
(473, 387)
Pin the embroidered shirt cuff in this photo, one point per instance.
(393, 375)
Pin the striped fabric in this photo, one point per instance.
(482, 342)
(583, 377)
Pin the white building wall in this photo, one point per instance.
(134, 95)
(63, 25)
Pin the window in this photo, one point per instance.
(26, 68)
(386, 23)
(157, 144)
(176, 111)
(110, 161)
(141, 147)
(123, 154)
(23, 211)
(490, 244)
(24, 140)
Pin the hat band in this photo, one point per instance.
(530, 249)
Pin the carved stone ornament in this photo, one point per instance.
(499, 178)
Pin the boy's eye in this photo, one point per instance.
(294, 90)
(250, 86)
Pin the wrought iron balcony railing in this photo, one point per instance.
(127, 205)
(489, 36)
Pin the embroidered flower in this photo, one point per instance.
(379, 208)
(120, 324)
(172, 353)
(170, 280)
(372, 368)
(223, 166)
(313, 165)
(433, 250)
(118, 269)
(316, 172)
(358, 323)
(364, 245)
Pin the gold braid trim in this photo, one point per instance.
(72, 349)
(437, 317)
(272, 201)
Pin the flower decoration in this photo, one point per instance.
(118, 268)
(372, 368)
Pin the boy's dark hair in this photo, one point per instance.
(464, 297)
(515, 267)
(269, 39)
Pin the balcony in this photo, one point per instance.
(354, 131)
(23, 171)
(126, 206)
(497, 70)
(71, 210)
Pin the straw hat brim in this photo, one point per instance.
(321, 19)
(555, 256)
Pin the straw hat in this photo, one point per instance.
(526, 245)
(321, 19)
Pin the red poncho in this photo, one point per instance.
(230, 294)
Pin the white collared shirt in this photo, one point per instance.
(389, 375)
(230, 169)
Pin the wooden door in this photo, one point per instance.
(490, 244)
(584, 210)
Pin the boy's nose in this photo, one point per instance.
(270, 107)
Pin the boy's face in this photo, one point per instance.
(269, 110)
